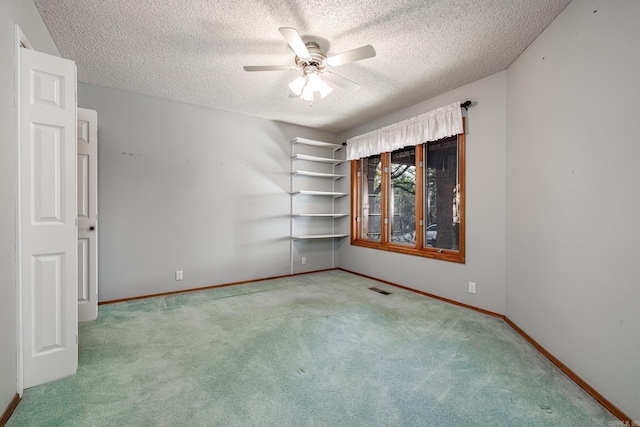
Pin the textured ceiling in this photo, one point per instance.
(193, 51)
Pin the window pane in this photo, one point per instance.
(442, 201)
(402, 209)
(371, 198)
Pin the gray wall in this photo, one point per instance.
(573, 212)
(557, 131)
(193, 189)
(485, 207)
(25, 14)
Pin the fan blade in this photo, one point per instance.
(340, 81)
(353, 55)
(297, 45)
(269, 68)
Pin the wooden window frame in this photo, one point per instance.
(420, 249)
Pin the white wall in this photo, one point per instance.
(573, 212)
(193, 189)
(25, 14)
(485, 207)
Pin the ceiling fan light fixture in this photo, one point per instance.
(320, 85)
(325, 89)
(297, 85)
(307, 94)
(305, 86)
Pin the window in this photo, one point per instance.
(402, 198)
(371, 197)
(411, 200)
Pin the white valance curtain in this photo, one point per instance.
(432, 126)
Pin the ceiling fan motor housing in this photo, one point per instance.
(316, 58)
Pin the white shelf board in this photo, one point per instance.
(317, 174)
(320, 215)
(316, 159)
(318, 236)
(306, 141)
(319, 193)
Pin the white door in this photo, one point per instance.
(87, 180)
(47, 236)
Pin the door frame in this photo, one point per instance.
(20, 41)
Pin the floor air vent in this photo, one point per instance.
(380, 291)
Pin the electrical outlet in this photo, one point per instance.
(472, 287)
(178, 274)
(304, 260)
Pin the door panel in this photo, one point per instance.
(48, 170)
(47, 256)
(83, 185)
(48, 293)
(87, 212)
(84, 282)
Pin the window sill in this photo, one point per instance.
(440, 254)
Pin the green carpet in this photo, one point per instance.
(314, 350)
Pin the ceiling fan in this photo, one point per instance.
(315, 65)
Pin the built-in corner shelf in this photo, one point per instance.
(318, 236)
(317, 159)
(306, 141)
(334, 194)
(313, 167)
(317, 174)
(318, 215)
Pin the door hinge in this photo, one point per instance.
(359, 174)
(76, 339)
(421, 223)
(386, 220)
(421, 164)
(386, 170)
(358, 219)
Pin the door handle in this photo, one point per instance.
(92, 228)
